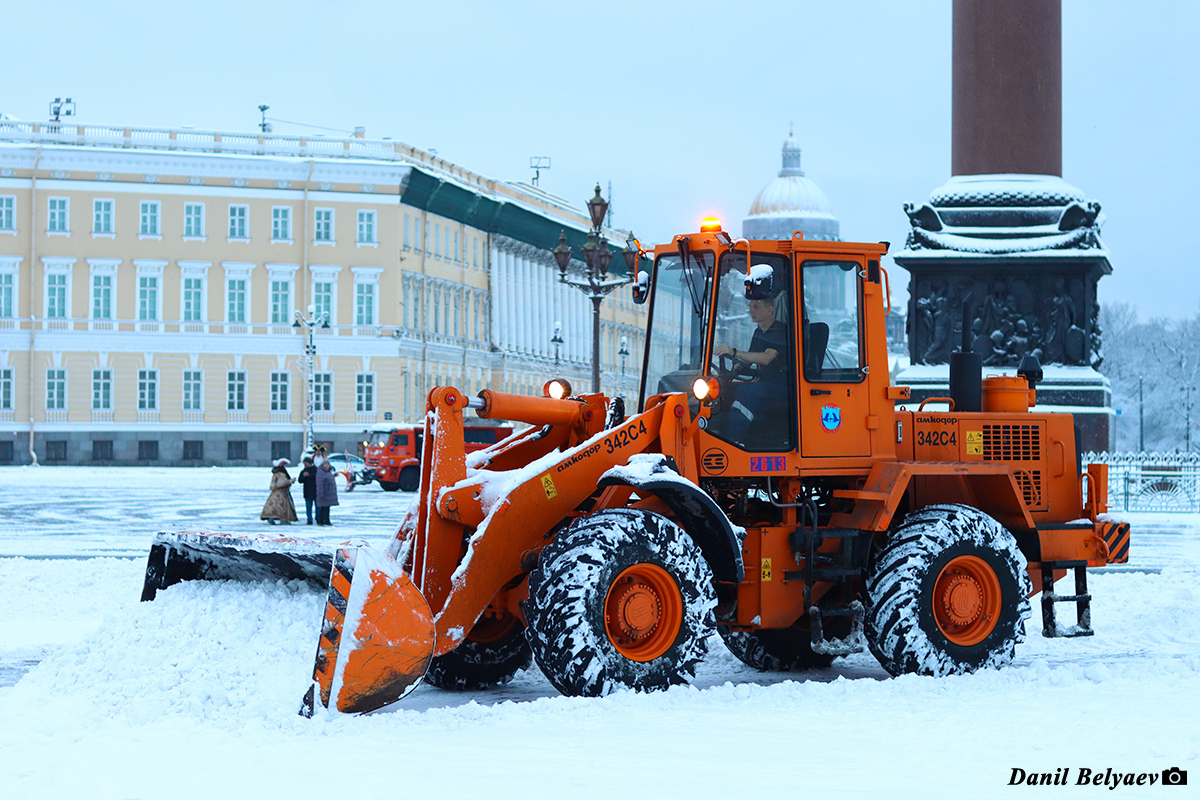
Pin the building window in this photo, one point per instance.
(193, 299)
(366, 227)
(192, 391)
(323, 391)
(279, 391)
(281, 223)
(102, 390)
(364, 304)
(7, 290)
(323, 230)
(417, 235)
(281, 301)
(476, 243)
(437, 240)
(236, 451)
(57, 222)
(236, 292)
(365, 392)
(447, 242)
(6, 389)
(56, 451)
(8, 213)
(102, 450)
(193, 220)
(193, 451)
(56, 295)
(437, 310)
(147, 390)
(323, 299)
(102, 216)
(281, 450)
(6, 452)
(236, 391)
(102, 297)
(237, 222)
(149, 226)
(148, 297)
(148, 450)
(407, 240)
(56, 389)
(457, 251)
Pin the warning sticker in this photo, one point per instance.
(766, 569)
(974, 443)
(548, 486)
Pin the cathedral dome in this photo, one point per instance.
(789, 203)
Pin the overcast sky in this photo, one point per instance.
(682, 106)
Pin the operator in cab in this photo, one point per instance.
(767, 354)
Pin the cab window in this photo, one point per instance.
(830, 325)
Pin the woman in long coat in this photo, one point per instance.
(326, 491)
(279, 505)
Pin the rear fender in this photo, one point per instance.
(703, 520)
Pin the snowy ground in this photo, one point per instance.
(196, 694)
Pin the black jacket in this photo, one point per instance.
(308, 479)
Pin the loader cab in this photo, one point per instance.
(789, 352)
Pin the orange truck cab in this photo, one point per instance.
(393, 452)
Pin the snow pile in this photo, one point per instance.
(203, 650)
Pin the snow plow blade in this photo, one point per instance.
(200, 555)
(377, 635)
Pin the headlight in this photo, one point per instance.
(557, 388)
(706, 388)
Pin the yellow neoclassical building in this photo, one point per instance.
(150, 279)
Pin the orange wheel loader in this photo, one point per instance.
(767, 488)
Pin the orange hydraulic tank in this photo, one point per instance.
(1006, 393)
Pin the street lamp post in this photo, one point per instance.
(595, 282)
(624, 354)
(557, 340)
(309, 361)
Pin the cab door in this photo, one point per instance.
(833, 386)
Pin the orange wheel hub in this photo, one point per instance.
(966, 600)
(643, 612)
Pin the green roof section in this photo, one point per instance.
(452, 201)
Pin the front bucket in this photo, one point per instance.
(376, 638)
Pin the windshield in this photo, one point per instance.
(736, 323)
(379, 438)
(675, 349)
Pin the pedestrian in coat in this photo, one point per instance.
(278, 507)
(308, 479)
(326, 491)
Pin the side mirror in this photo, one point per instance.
(758, 282)
(641, 287)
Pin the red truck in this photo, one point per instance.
(393, 452)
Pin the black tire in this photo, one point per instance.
(901, 627)
(389, 486)
(565, 612)
(410, 479)
(482, 664)
(782, 650)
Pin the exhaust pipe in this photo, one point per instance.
(966, 367)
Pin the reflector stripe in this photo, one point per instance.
(1117, 537)
(331, 629)
(336, 600)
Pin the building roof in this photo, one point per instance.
(791, 202)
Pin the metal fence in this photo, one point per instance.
(1151, 481)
